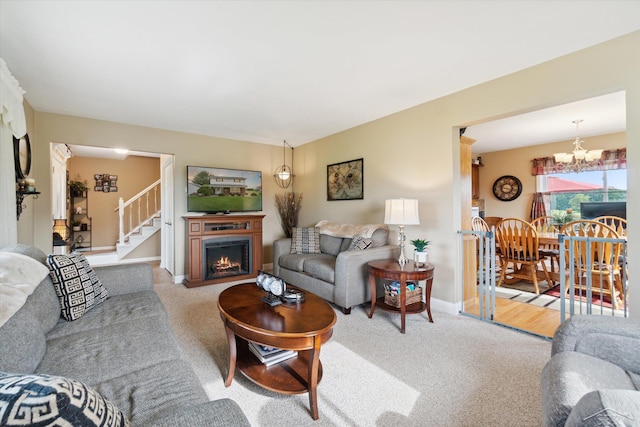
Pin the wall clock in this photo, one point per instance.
(22, 156)
(507, 188)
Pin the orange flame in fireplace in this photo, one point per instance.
(225, 264)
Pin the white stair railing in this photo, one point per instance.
(136, 212)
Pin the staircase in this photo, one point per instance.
(134, 240)
(139, 218)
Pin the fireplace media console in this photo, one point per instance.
(222, 248)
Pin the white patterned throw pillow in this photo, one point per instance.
(305, 240)
(54, 401)
(77, 285)
(359, 243)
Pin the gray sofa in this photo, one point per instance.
(123, 348)
(593, 376)
(336, 274)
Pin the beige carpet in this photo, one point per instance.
(458, 371)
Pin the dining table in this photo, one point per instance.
(548, 240)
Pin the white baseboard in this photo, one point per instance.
(112, 259)
(103, 248)
(445, 306)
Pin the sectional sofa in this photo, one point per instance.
(118, 360)
(593, 376)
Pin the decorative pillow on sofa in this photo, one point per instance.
(359, 243)
(50, 400)
(305, 240)
(77, 285)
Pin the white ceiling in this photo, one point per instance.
(600, 115)
(264, 71)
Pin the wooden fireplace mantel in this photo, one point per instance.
(202, 227)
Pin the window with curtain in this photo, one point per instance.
(568, 190)
(603, 181)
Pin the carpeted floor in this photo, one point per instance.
(458, 371)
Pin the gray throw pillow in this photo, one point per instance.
(51, 400)
(305, 241)
(77, 286)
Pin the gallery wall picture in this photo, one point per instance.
(345, 181)
(106, 183)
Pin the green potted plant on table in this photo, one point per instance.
(421, 256)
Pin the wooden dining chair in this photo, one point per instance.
(615, 222)
(546, 224)
(492, 221)
(479, 224)
(518, 242)
(599, 259)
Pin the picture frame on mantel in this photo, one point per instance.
(345, 180)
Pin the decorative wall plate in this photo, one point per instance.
(507, 188)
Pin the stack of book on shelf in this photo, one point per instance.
(271, 355)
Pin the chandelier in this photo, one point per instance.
(580, 158)
(283, 174)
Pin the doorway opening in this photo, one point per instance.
(133, 173)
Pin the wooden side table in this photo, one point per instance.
(390, 269)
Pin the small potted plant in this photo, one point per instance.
(76, 224)
(421, 256)
(78, 188)
(561, 217)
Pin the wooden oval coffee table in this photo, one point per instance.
(302, 327)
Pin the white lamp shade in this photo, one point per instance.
(401, 212)
(594, 155)
(579, 154)
(563, 157)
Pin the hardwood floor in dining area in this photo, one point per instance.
(530, 318)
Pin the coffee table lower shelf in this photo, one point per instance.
(287, 377)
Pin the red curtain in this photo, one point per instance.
(539, 205)
(610, 159)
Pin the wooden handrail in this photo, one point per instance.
(141, 219)
(137, 196)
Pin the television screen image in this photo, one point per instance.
(590, 210)
(219, 190)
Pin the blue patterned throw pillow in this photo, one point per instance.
(77, 285)
(305, 241)
(47, 400)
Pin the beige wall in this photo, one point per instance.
(413, 153)
(517, 162)
(188, 149)
(134, 173)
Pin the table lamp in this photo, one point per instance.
(401, 212)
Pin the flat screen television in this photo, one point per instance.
(220, 190)
(590, 210)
